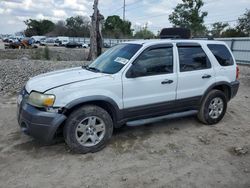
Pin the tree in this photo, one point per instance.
(95, 33)
(244, 23)
(144, 34)
(60, 29)
(188, 14)
(78, 26)
(231, 32)
(218, 28)
(38, 27)
(115, 27)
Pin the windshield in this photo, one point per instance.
(114, 59)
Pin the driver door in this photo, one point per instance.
(157, 86)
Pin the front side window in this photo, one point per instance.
(156, 61)
(114, 59)
(192, 58)
(222, 54)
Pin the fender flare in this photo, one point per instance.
(217, 84)
(116, 112)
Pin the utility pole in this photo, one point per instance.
(124, 9)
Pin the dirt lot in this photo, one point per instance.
(178, 152)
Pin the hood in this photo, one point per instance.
(44, 82)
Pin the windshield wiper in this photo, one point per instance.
(93, 69)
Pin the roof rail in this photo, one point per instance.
(203, 38)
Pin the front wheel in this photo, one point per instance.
(88, 129)
(213, 107)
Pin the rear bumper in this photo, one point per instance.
(38, 124)
(234, 88)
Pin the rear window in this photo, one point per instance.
(222, 54)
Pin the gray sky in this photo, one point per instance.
(153, 12)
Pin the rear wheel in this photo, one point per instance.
(88, 129)
(213, 107)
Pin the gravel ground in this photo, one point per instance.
(178, 152)
(14, 74)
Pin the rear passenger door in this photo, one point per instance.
(195, 72)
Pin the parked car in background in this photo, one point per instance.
(62, 41)
(48, 42)
(12, 39)
(57, 43)
(76, 45)
(85, 45)
(5, 39)
(37, 39)
(106, 45)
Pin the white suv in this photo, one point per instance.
(134, 80)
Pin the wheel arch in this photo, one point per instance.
(104, 102)
(225, 87)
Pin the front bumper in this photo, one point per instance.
(39, 124)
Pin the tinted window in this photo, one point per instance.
(193, 58)
(222, 54)
(114, 59)
(156, 61)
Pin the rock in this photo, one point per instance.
(224, 134)
(124, 179)
(154, 180)
(204, 140)
(24, 59)
(240, 150)
(246, 170)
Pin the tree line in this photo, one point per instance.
(187, 14)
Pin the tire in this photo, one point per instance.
(211, 112)
(80, 133)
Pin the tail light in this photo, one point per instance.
(237, 72)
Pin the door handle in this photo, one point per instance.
(167, 82)
(206, 76)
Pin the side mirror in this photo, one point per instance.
(136, 70)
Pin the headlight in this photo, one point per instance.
(41, 100)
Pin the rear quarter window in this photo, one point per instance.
(222, 54)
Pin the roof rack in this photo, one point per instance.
(175, 33)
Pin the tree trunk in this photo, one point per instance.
(95, 33)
